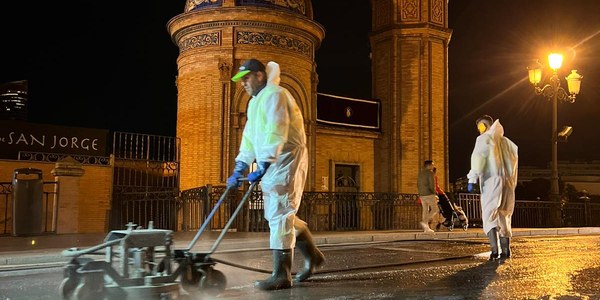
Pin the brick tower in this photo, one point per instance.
(409, 42)
(214, 37)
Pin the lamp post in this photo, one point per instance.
(555, 93)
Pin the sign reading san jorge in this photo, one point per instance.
(16, 136)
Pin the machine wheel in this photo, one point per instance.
(67, 287)
(91, 285)
(191, 276)
(71, 279)
(86, 291)
(213, 282)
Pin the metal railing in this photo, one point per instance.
(538, 214)
(49, 206)
(369, 211)
(471, 206)
(187, 210)
(142, 205)
(322, 211)
(360, 211)
(145, 180)
(196, 204)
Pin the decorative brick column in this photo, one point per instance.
(68, 173)
(409, 43)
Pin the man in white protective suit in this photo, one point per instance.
(494, 164)
(274, 137)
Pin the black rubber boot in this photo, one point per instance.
(505, 246)
(281, 278)
(493, 237)
(313, 257)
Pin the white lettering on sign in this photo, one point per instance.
(54, 141)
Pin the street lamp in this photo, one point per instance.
(554, 92)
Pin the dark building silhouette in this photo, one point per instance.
(13, 100)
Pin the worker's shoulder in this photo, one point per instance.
(508, 142)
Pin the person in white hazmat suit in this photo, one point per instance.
(494, 164)
(274, 137)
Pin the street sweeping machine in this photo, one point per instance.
(140, 263)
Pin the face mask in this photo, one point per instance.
(481, 127)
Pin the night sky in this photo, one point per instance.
(112, 65)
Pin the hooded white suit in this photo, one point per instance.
(274, 133)
(494, 164)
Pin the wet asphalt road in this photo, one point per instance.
(541, 268)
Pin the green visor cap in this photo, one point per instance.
(239, 75)
(251, 65)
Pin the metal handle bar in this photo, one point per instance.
(214, 210)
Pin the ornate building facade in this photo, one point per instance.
(214, 37)
(409, 45)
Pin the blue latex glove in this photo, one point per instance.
(258, 174)
(238, 172)
(471, 187)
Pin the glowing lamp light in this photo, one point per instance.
(555, 93)
(555, 60)
(535, 74)
(574, 82)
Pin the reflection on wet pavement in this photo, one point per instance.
(541, 268)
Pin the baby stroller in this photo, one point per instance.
(453, 214)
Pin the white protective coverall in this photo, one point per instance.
(274, 133)
(494, 164)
